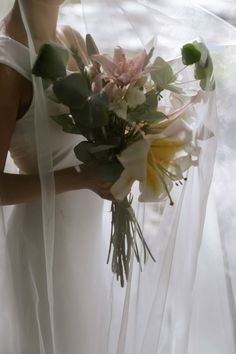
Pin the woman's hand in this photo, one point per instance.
(90, 179)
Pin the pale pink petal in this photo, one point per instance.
(139, 61)
(119, 56)
(109, 88)
(107, 63)
(97, 83)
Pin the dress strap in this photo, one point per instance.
(15, 55)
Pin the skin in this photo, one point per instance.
(15, 189)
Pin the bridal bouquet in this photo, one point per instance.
(134, 112)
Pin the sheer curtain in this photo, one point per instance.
(185, 302)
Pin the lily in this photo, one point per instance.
(122, 70)
(157, 161)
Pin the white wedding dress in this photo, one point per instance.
(182, 304)
(80, 258)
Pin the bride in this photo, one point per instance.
(57, 295)
(31, 321)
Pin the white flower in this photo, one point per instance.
(117, 103)
(156, 162)
(135, 97)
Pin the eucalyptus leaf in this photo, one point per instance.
(110, 172)
(101, 148)
(51, 62)
(150, 105)
(204, 68)
(151, 101)
(82, 152)
(149, 56)
(164, 75)
(99, 109)
(152, 116)
(83, 116)
(72, 90)
(190, 54)
(147, 117)
(67, 124)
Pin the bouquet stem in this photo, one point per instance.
(124, 231)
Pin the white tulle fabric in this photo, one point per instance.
(57, 293)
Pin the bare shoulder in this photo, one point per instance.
(16, 93)
(10, 81)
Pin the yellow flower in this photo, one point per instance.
(156, 161)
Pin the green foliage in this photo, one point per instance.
(72, 90)
(51, 62)
(65, 120)
(204, 68)
(89, 151)
(198, 54)
(190, 54)
(147, 111)
(125, 230)
(149, 56)
(164, 75)
(110, 171)
(99, 109)
(82, 152)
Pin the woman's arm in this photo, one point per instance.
(15, 189)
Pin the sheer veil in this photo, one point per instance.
(185, 302)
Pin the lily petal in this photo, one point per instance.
(178, 112)
(138, 62)
(133, 159)
(106, 62)
(119, 56)
(122, 186)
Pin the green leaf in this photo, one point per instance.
(152, 116)
(190, 54)
(82, 152)
(149, 56)
(51, 62)
(99, 109)
(101, 148)
(164, 74)
(67, 124)
(110, 172)
(72, 90)
(83, 117)
(204, 68)
(148, 110)
(147, 117)
(151, 101)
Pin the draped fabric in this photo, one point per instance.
(57, 293)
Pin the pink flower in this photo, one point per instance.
(121, 70)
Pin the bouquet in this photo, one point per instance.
(134, 113)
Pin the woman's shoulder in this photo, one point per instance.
(14, 57)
